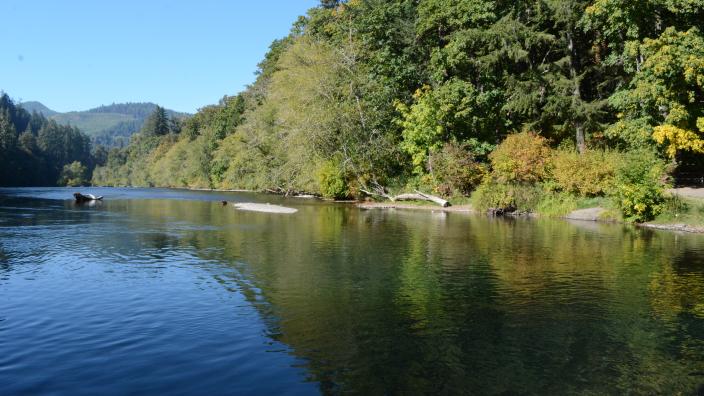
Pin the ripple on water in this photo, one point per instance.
(162, 296)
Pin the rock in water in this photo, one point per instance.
(266, 208)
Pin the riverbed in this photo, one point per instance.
(159, 291)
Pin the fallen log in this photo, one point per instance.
(417, 196)
(435, 199)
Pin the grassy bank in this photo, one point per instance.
(681, 210)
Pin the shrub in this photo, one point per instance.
(521, 158)
(556, 204)
(640, 182)
(331, 181)
(454, 170)
(588, 174)
(508, 197)
(74, 174)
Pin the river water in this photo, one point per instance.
(157, 291)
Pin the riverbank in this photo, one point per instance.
(684, 213)
(673, 227)
(410, 206)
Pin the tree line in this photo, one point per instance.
(36, 151)
(367, 95)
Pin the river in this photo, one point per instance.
(157, 291)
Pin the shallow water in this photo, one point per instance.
(159, 291)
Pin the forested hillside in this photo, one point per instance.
(109, 125)
(518, 100)
(37, 107)
(35, 151)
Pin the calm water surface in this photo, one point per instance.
(167, 292)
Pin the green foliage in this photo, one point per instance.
(441, 17)
(454, 111)
(640, 185)
(454, 170)
(34, 149)
(109, 125)
(8, 134)
(332, 181)
(588, 174)
(74, 174)
(158, 123)
(93, 123)
(28, 142)
(426, 93)
(556, 204)
(664, 98)
(681, 210)
(521, 158)
(508, 197)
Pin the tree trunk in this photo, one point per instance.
(581, 145)
(417, 196)
(576, 95)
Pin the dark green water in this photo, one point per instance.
(168, 292)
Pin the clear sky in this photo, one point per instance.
(76, 55)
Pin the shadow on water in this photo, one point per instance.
(399, 302)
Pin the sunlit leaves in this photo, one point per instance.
(667, 92)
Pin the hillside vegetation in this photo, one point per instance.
(500, 99)
(36, 151)
(110, 125)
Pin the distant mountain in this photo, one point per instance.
(109, 125)
(38, 107)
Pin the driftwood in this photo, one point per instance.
(81, 198)
(417, 196)
(288, 192)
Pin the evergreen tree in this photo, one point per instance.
(28, 142)
(158, 123)
(8, 134)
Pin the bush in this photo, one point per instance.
(454, 170)
(74, 174)
(521, 158)
(588, 174)
(331, 181)
(507, 197)
(640, 181)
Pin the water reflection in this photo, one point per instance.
(375, 302)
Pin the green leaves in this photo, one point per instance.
(454, 111)
(74, 174)
(639, 185)
(665, 96)
(375, 91)
(8, 134)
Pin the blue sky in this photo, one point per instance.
(75, 55)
